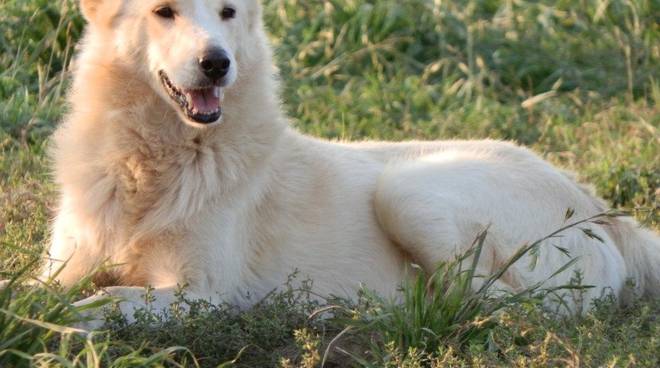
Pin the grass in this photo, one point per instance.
(577, 81)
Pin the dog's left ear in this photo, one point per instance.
(100, 11)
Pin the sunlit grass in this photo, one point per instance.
(577, 81)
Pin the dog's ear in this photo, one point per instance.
(89, 8)
(255, 13)
(100, 11)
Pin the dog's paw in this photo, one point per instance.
(93, 311)
(90, 322)
(4, 284)
(92, 316)
(109, 301)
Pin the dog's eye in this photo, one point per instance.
(228, 13)
(164, 12)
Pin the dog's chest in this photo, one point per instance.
(165, 184)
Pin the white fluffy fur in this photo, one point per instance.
(232, 209)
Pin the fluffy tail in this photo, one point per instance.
(641, 251)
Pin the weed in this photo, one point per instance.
(578, 83)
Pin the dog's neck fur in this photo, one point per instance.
(137, 158)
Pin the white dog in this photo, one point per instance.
(177, 164)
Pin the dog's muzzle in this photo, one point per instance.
(202, 105)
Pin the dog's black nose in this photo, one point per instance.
(215, 64)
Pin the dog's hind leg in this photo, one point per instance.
(436, 206)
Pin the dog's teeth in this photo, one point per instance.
(216, 92)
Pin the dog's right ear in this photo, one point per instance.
(100, 11)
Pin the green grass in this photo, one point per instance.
(578, 81)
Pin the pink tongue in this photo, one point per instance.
(203, 101)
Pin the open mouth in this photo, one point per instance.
(201, 105)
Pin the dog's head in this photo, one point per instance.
(188, 51)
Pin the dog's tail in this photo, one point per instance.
(641, 251)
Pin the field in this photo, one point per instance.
(578, 81)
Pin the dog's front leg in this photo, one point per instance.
(129, 301)
(72, 253)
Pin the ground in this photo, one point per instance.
(576, 81)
